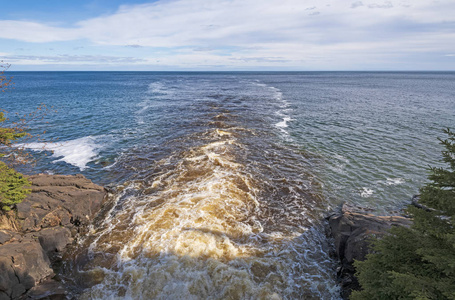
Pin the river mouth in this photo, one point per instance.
(231, 169)
(220, 218)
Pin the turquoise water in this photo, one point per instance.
(263, 154)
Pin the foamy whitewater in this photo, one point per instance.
(78, 152)
(219, 182)
(196, 232)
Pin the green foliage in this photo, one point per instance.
(8, 135)
(12, 184)
(12, 187)
(418, 262)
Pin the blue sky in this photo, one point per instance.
(228, 35)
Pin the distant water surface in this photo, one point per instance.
(222, 179)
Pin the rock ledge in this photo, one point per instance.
(59, 207)
(352, 228)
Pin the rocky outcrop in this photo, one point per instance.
(23, 264)
(58, 200)
(352, 229)
(47, 221)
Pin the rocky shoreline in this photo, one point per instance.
(352, 229)
(34, 237)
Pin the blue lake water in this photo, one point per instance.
(222, 179)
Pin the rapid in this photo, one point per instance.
(219, 183)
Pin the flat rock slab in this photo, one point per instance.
(59, 200)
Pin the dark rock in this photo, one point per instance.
(352, 229)
(54, 239)
(22, 265)
(58, 208)
(59, 200)
(48, 290)
(5, 236)
(415, 201)
(4, 296)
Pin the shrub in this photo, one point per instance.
(12, 187)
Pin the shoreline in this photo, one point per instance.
(34, 237)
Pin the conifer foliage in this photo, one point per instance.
(12, 187)
(12, 183)
(418, 262)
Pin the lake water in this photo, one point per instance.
(221, 181)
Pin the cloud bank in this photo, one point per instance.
(304, 34)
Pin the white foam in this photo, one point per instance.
(256, 83)
(283, 108)
(196, 235)
(338, 163)
(366, 192)
(284, 123)
(76, 152)
(144, 106)
(341, 158)
(157, 87)
(394, 181)
(278, 95)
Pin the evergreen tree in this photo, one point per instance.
(418, 262)
(12, 187)
(12, 183)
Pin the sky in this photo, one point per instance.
(228, 35)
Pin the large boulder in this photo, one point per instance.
(352, 229)
(47, 221)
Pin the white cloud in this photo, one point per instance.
(356, 4)
(36, 32)
(184, 23)
(73, 59)
(386, 4)
(274, 32)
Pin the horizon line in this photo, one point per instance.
(218, 71)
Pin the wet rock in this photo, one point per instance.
(48, 219)
(352, 229)
(48, 290)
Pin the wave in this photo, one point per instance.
(284, 123)
(283, 109)
(366, 192)
(78, 152)
(394, 181)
